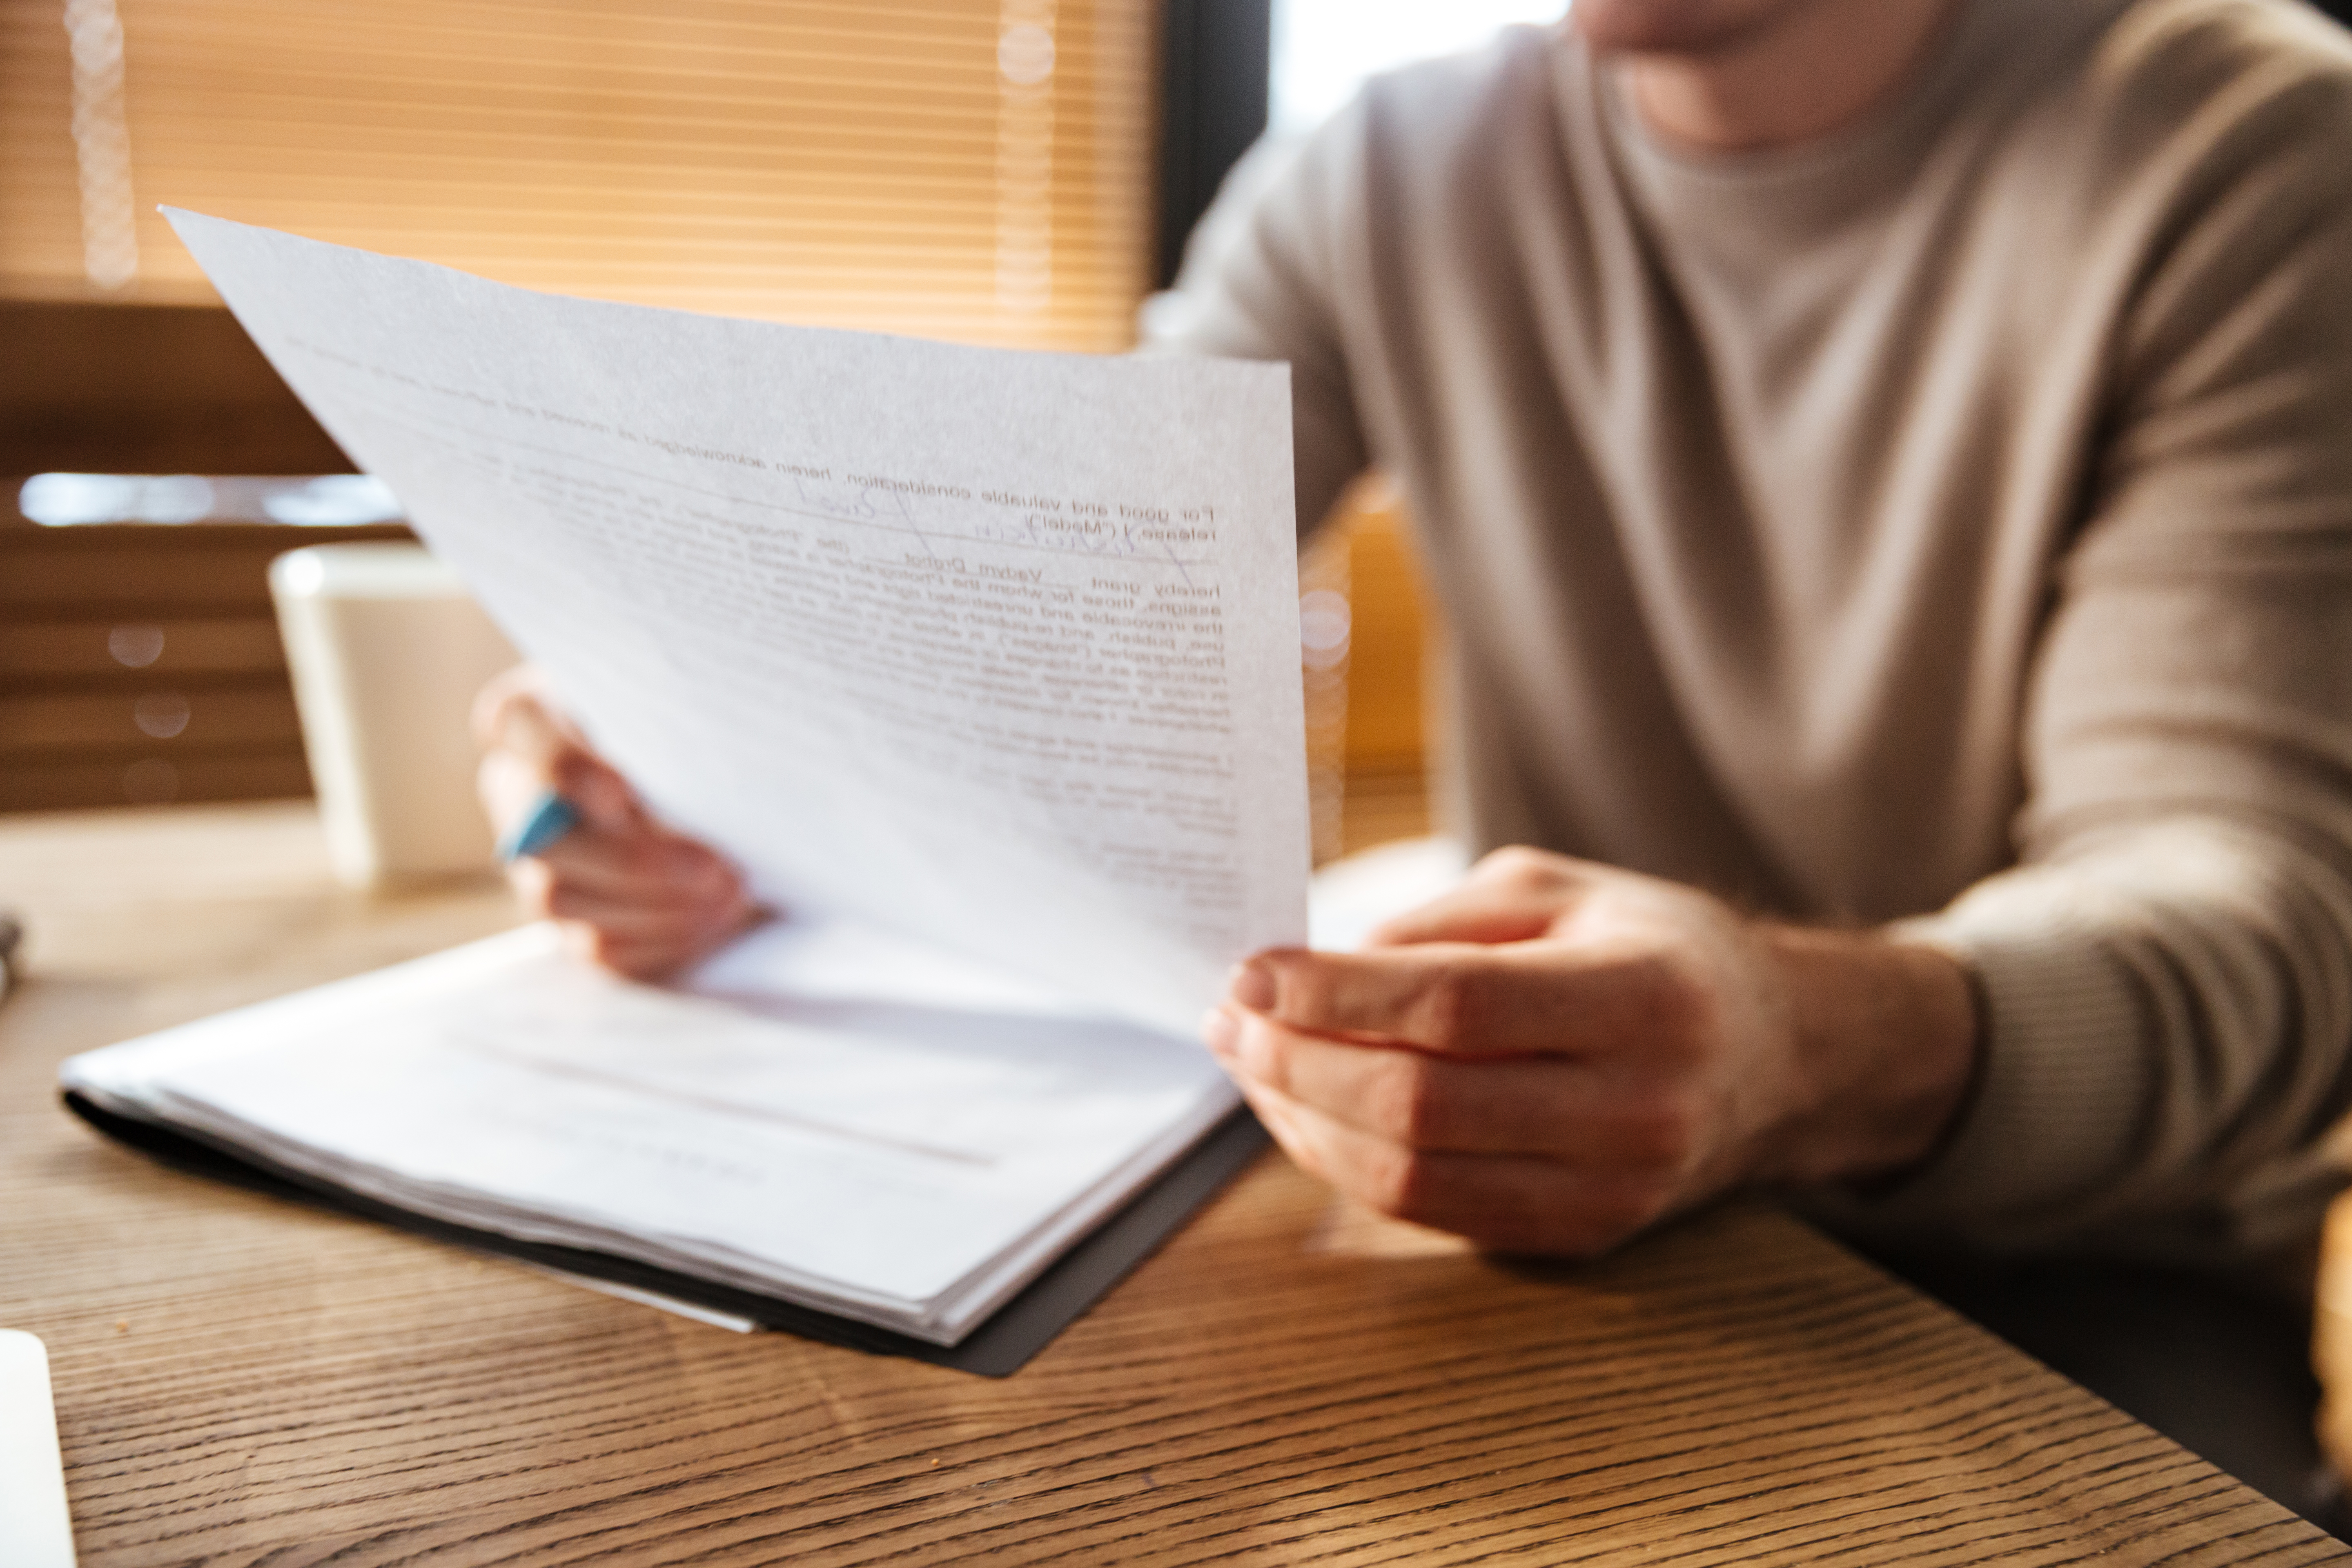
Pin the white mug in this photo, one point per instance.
(387, 650)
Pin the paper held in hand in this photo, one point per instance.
(983, 664)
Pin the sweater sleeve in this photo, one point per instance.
(2166, 976)
(1257, 283)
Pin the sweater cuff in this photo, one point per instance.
(2063, 1079)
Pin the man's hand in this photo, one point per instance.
(1559, 1054)
(630, 894)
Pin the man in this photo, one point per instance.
(1889, 466)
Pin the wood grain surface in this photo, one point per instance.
(1288, 1381)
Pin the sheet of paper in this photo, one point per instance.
(998, 649)
(909, 1162)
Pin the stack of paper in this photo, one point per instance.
(909, 1163)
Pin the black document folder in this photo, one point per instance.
(998, 1348)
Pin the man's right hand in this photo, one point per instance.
(629, 893)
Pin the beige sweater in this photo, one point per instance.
(1949, 519)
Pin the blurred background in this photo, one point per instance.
(1008, 172)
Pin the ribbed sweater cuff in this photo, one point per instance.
(2062, 1083)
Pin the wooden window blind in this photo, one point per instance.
(970, 169)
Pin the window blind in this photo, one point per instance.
(970, 169)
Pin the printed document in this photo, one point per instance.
(996, 650)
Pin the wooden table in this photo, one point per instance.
(241, 1381)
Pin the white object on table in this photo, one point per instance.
(36, 1531)
(387, 650)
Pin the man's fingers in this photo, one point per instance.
(1472, 913)
(1469, 999)
(1584, 1115)
(1275, 1111)
(603, 796)
(654, 957)
(508, 784)
(1510, 1202)
(643, 867)
(1405, 1096)
(630, 885)
(629, 894)
(515, 718)
(514, 713)
(1411, 994)
(1511, 895)
(628, 931)
(632, 920)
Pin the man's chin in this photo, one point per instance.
(1673, 26)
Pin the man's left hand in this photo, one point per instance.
(1557, 1055)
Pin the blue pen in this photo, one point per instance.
(551, 816)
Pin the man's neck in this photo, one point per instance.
(1814, 70)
